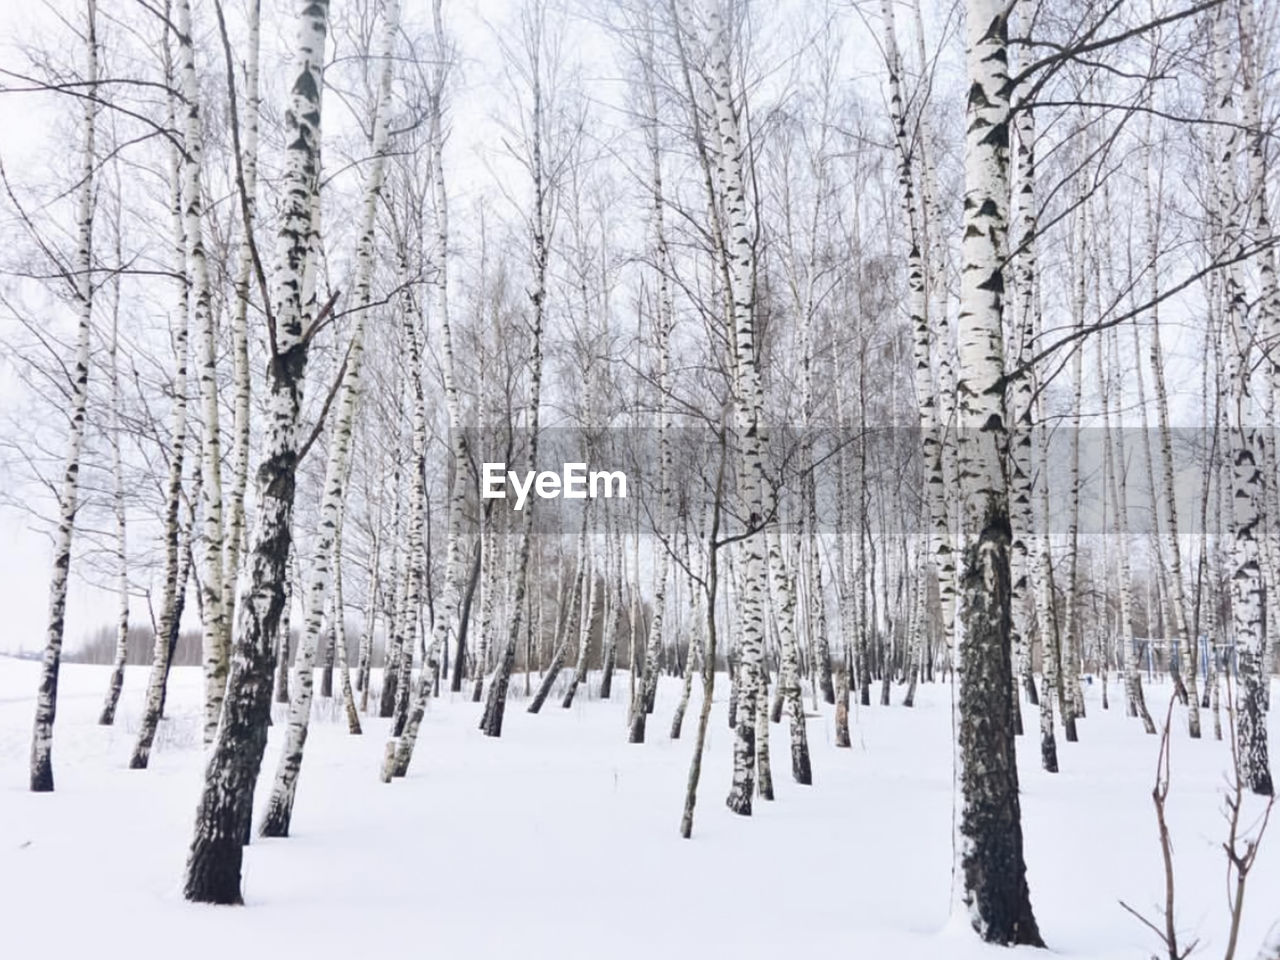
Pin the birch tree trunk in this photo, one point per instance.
(214, 634)
(226, 804)
(937, 540)
(991, 870)
(279, 811)
(495, 705)
(1172, 542)
(175, 570)
(789, 674)
(107, 717)
(68, 495)
(663, 317)
(1244, 450)
(340, 632)
(240, 313)
(1269, 309)
(739, 254)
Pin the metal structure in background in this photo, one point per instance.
(1161, 654)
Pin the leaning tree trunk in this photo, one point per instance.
(240, 314)
(340, 633)
(643, 705)
(937, 540)
(589, 608)
(279, 812)
(213, 625)
(175, 569)
(991, 872)
(541, 221)
(68, 496)
(1171, 539)
(226, 804)
(108, 715)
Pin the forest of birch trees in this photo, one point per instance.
(932, 341)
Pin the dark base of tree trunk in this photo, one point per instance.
(826, 684)
(387, 698)
(637, 729)
(548, 681)
(606, 681)
(496, 706)
(1069, 728)
(42, 774)
(1029, 685)
(226, 806)
(108, 716)
(992, 868)
(801, 769)
(570, 693)
(677, 721)
(1048, 752)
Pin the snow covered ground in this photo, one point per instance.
(561, 840)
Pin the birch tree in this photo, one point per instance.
(280, 806)
(223, 815)
(991, 872)
(1244, 450)
(176, 572)
(81, 281)
(213, 614)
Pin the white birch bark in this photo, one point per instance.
(540, 227)
(663, 318)
(175, 572)
(41, 767)
(226, 804)
(1243, 448)
(1269, 305)
(213, 627)
(739, 254)
(107, 716)
(789, 675)
(1188, 644)
(937, 541)
(991, 872)
(279, 811)
(240, 311)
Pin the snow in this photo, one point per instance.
(561, 840)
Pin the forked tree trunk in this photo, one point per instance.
(279, 811)
(226, 804)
